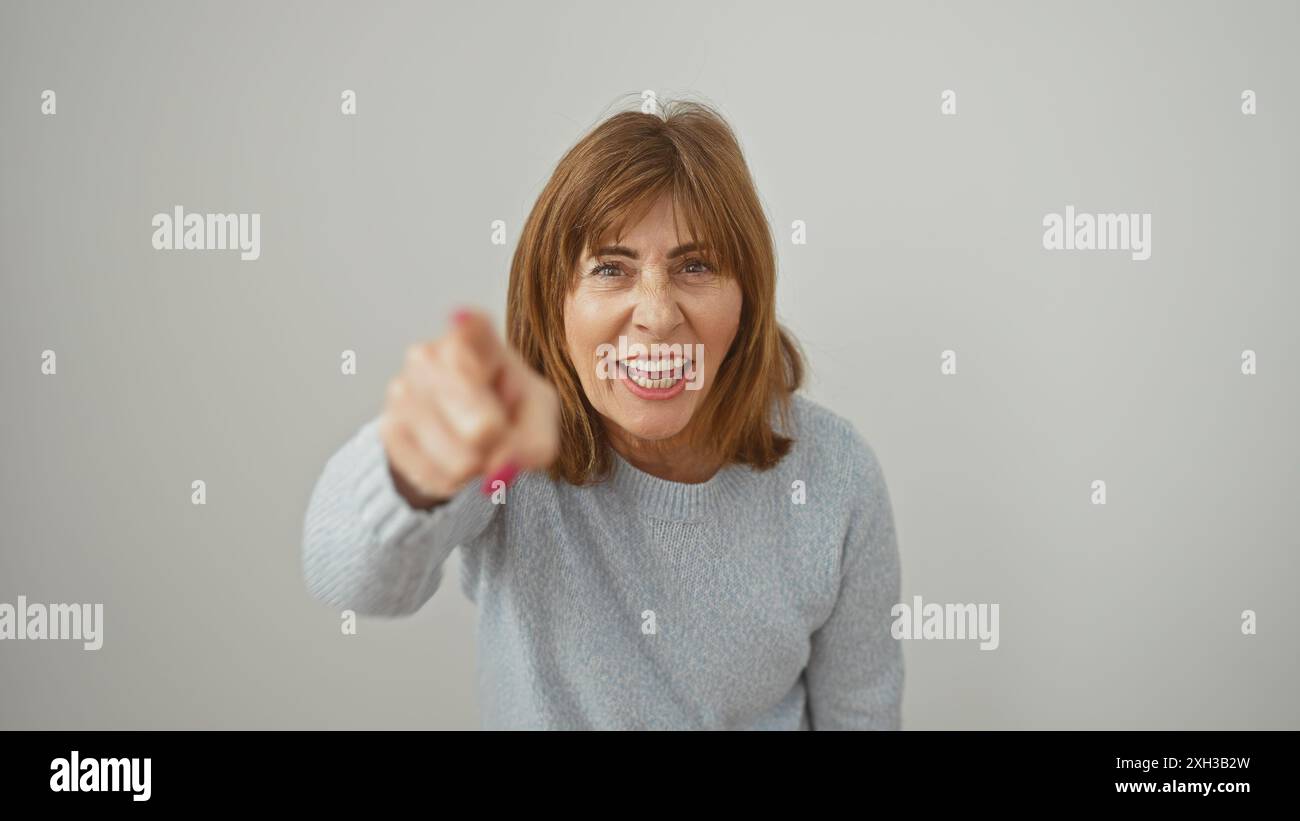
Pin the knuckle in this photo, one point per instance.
(459, 466)
(483, 430)
(395, 392)
(418, 354)
(459, 358)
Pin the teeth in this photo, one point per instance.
(658, 366)
(652, 383)
(657, 374)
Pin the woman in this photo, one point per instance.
(666, 534)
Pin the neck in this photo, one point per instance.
(671, 459)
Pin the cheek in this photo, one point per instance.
(720, 319)
(577, 321)
(587, 326)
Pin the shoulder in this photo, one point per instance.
(830, 450)
(823, 435)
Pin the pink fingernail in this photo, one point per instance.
(506, 474)
(459, 316)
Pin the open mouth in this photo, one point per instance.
(658, 374)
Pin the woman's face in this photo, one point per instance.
(639, 306)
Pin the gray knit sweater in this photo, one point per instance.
(755, 600)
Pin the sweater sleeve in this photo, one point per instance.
(855, 672)
(365, 548)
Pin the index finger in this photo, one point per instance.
(475, 330)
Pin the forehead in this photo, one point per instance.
(657, 226)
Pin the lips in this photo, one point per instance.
(674, 388)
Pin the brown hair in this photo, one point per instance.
(602, 183)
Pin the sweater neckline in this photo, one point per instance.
(675, 501)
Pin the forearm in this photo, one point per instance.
(365, 547)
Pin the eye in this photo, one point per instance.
(697, 267)
(606, 270)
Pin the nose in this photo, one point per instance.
(657, 313)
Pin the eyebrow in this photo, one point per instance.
(624, 251)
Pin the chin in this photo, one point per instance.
(655, 434)
(654, 429)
